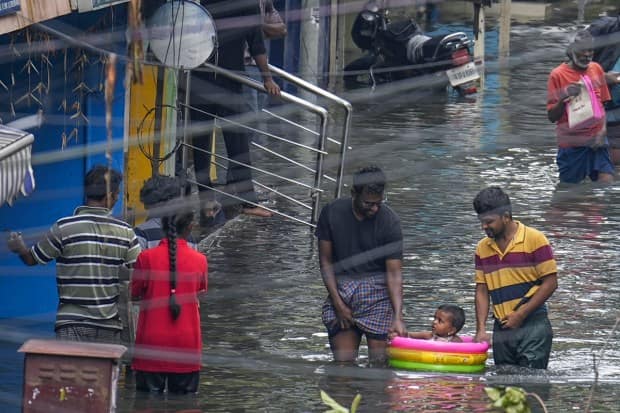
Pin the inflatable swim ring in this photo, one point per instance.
(430, 355)
(444, 368)
(434, 357)
(467, 346)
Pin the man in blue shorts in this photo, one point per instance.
(583, 149)
(360, 253)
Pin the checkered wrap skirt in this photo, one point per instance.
(369, 301)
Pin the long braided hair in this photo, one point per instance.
(176, 222)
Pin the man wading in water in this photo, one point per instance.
(360, 252)
(516, 269)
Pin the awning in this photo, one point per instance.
(16, 174)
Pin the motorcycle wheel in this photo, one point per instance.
(357, 72)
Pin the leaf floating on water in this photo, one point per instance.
(356, 402)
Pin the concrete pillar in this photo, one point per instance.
(479, 44)
(309, 67)
(504, 28)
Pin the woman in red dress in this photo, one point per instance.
(168, 280)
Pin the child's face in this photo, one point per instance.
(442, 324)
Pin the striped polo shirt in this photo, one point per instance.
(93, 251)
(150, 234)
(514, 275)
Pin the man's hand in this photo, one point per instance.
(572, 90)
(272, 87)
(397, 329)
(344, 315)
(513, 320)
(16, 243)
(482, 336)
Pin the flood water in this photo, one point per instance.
(265, 347)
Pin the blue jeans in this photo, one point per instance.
(257, 100)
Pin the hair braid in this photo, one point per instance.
(171, 234)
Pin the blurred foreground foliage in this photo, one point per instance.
(336, 407)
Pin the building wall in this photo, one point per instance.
(59, 167)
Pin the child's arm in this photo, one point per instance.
(422, 335)
(457, 339)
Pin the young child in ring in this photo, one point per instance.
(449, 319)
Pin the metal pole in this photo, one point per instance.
(188, 85)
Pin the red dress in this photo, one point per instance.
(165, 345)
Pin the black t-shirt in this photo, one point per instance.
(236, 22)
(360, 248)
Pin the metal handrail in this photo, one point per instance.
(334, 98)
(320, 153)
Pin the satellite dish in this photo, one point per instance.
(182, 34)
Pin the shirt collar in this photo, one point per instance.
(518, 238)
(85, 209)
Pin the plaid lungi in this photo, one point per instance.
(369, 301)
(88, 333)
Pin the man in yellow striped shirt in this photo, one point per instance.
(515, 267)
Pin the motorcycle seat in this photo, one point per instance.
(415, 46)
(402, 31)
(433, 48)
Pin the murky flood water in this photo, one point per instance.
(264, 344)
(265, 347)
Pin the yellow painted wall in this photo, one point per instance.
(141, 123)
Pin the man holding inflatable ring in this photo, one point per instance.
(516, 268)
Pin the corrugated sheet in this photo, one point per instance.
(33, 11)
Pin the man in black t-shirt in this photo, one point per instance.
(360, 253)
(238, 22)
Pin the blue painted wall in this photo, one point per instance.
(31, 291)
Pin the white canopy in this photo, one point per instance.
(15, 169)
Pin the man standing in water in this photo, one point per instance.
(360, 253)
(94, 253)
(515, 266)
(583, 150)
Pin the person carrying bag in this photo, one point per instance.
(584, 109)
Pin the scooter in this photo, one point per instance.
(397, 50)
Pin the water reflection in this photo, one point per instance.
(420, 393)
(265, 347)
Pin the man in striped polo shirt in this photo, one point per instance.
(516, 268)
(93, 253)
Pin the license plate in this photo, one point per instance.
(463, 74)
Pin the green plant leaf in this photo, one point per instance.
(337, 408)
(493, 393)
(356, 402)
(515, 395)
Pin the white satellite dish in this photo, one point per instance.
(182, 34)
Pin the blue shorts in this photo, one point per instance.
(574, 164)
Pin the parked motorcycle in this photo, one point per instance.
(397, 50)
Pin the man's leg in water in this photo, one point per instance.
(345, 345)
